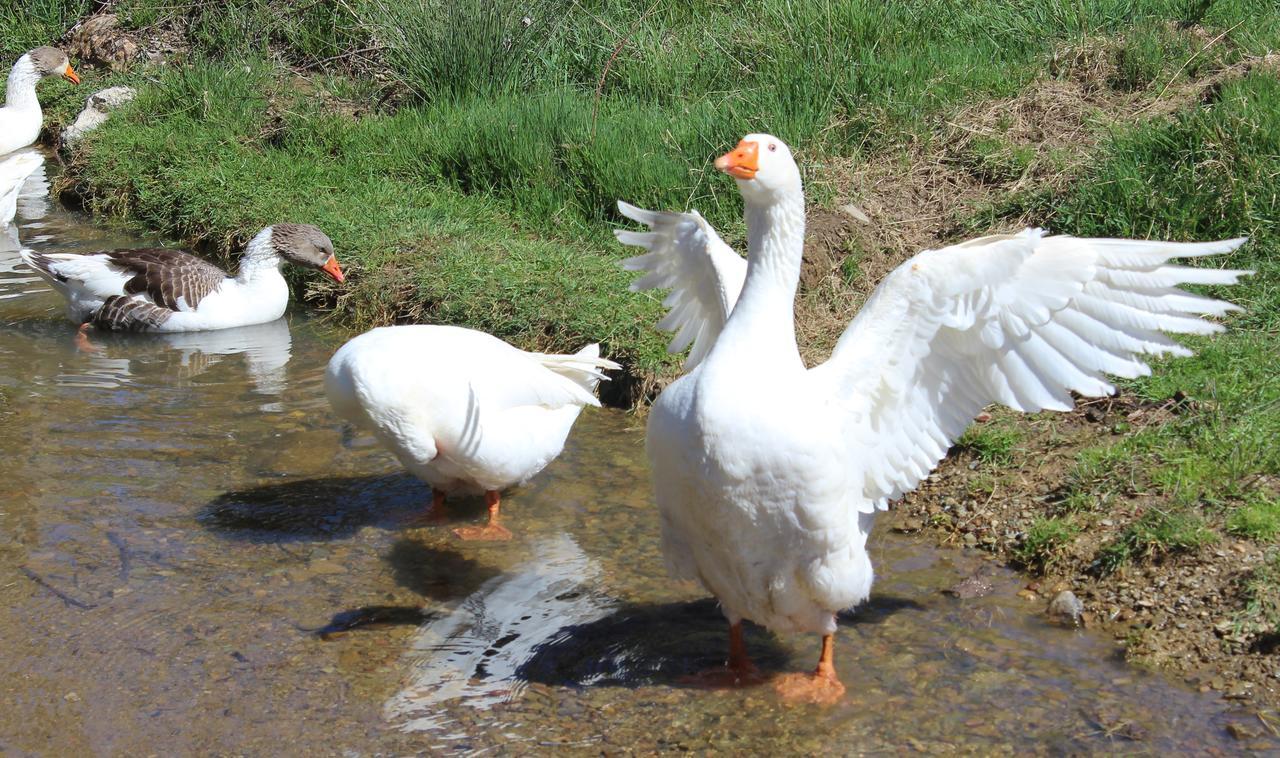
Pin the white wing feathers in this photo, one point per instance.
(1021, 320)
(687, 257)
(542, 379)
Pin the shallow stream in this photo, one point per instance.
(196, 556)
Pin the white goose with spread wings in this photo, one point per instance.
(768, 475)
(462, 410)
(157, 290)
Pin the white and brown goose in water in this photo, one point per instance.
(158, 290)
(768, 474)
(21, 117)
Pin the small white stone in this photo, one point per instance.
(96, 109)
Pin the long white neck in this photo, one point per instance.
(260, 259)
(21, 89)
(764, 316)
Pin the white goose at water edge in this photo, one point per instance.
(768, 474)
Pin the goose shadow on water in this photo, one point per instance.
(316, 509)
(372, 616)
(440, 575)
(436, 573)
(665, 644)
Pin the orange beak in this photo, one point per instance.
(331, 268)
(71, 75)
(742, 162)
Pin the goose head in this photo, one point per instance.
(50, 61)
(306, 245)
(763, 167)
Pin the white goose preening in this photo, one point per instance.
(462, 410)
(14, 171)
(20, 118)
(768, 475)
(157, 290)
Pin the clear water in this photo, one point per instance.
(189, 541)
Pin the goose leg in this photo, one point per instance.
(822, 687)
(738, 671)
(435, 511)
(739, 663)
(82, 340)
(490, 531)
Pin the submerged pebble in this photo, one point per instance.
(1065, 608)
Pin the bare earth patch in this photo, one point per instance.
(1176, 610)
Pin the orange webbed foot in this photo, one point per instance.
(738, 671)
(487, 533)
(434, 515)
(492, 531)
(725, 678)
(82, 340)
(815, 688)
(822, 687)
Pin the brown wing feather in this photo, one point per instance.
(121, 313)
(168, 275)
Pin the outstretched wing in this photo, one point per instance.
(1021, 320)
(171, 278)
(687, 257)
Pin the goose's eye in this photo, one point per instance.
(773, 148)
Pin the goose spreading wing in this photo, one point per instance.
(687, 257)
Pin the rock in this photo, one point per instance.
(974, 586)
(909, 525)
(1240, 731)
(1066, 609)
(101, 40)
(96, 110)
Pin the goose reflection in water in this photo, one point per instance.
(32, 205)
(266, 349)
(473, 654)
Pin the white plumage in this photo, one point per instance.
(14, 171)
(21, 117)
(768, 474)
(462, 410)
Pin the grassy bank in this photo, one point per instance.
(518, 130)
(465, 157)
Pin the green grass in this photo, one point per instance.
(301, 32)
(25, 24)
(1041, 548)
(1261, 597)
(1157, 533)
(1257, 519)
(486, 198)
(994, 442)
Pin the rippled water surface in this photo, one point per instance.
(196, 556)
